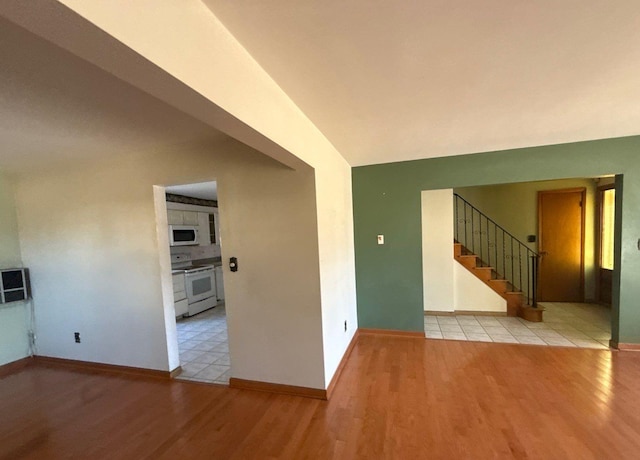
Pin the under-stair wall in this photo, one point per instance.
(447, 286)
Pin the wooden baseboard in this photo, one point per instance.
(465, 313)
(101, 367)
(343, 362)
(176, 372)
(628, 346)
(291, 390)
(15, 366)
(413, 334)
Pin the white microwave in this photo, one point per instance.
(183, 235)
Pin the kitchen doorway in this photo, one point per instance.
(198, 282)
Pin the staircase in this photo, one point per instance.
(497, 258)
(516, 301)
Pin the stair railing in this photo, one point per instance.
(510, 258)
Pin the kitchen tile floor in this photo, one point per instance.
(565, 324)
(204, 347)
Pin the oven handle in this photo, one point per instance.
(198, 271)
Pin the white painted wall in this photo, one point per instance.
(447, 285)
(437, 250)
(471, 294)
(337, 267)
(100, 260)
(210, 76)
(14, 317)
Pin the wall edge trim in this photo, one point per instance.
(412, 334)
(278, 388)
(102, 367)
(628, 346)
(15, 366)
(342, 364)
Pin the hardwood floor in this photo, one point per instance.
(399, 398)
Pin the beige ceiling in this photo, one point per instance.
(55, 107)
(405, 79)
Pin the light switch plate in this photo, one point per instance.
(380, 239)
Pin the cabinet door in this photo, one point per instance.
(204, 239)
(182, 307)
(219, 283)
(216, 226)
(174, 217)
(190, 217)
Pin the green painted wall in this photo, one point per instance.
(386, 200)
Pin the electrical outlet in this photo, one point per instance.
(76, 336)
(345, 326)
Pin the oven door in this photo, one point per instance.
(200, 284)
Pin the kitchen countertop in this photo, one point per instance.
(216, 262)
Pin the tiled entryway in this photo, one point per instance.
(204, 347)
(565, 324)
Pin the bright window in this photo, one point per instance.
(606, 235)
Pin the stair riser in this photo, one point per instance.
(515, 301)
(468, 261)
(500, 286)
(483, 273)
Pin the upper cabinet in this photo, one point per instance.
(203, 229)
(177, 217)
(203, 217)
(190, 217)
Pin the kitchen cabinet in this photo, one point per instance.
(219, 283)
(174, 217)
(204, 236)
(215, 223)
(177, 217)
(190, 218)
(179, 295)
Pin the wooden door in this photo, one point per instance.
(561, 245)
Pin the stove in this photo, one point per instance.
(200, 283)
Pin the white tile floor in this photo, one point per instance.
(204, 347)
(565, 324)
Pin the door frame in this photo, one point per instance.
(583, 195)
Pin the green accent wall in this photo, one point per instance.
(386, 200)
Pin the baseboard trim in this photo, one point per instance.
(15, 366)
(278, 388)
(343, 362)
(394, 332)
(102, 367)
(465, 313)
(176, 372)
(628, 346)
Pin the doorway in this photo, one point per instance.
(197, 276)
(561, 216)
(606, 199)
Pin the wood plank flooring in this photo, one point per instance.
(398, 398)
